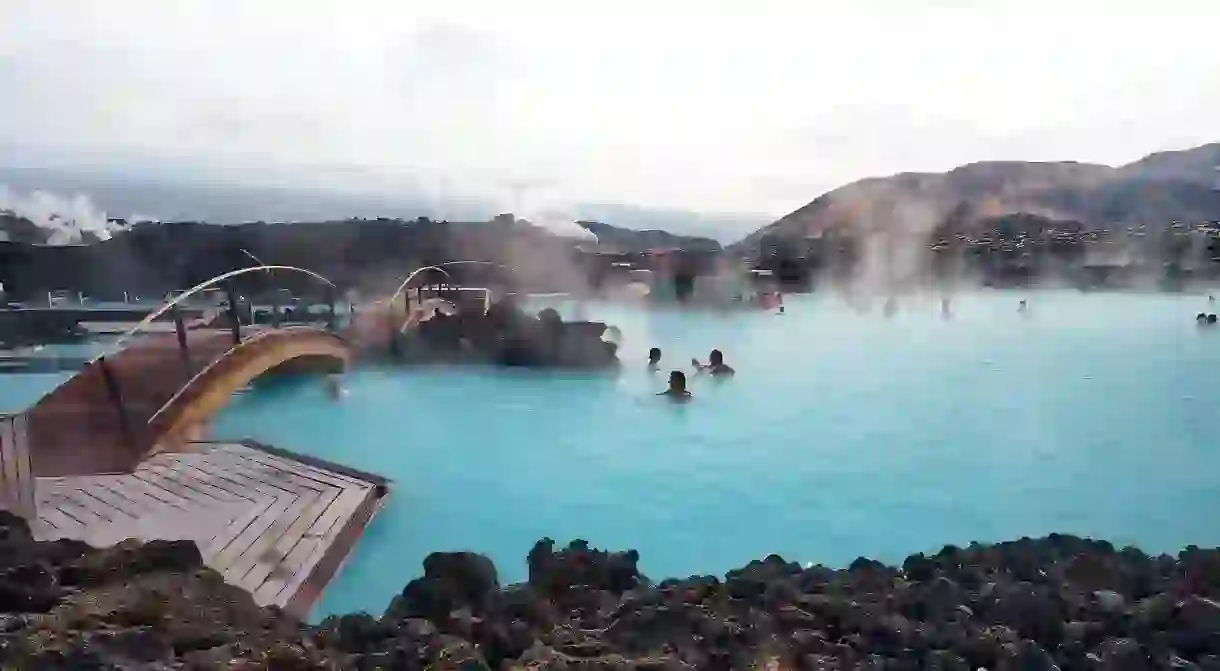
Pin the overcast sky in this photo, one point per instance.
(733, 106)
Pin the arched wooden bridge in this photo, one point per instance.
(123, 407)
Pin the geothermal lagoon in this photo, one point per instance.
(843, 434)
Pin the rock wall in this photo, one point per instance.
(1057, 602)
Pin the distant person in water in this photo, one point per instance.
(1022, 307)
(1211, 319)
(1211, 300)
(677, 387)
(334, 388)
(654, 358)
(715, 364)
(1201, 318)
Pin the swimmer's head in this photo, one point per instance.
(654, 355)
(677, 381)
(1211, 319)
(716, 357)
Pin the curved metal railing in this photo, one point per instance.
(287, 331)
(403, 286)
(180, 298)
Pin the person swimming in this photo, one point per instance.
(1201, 318)
(334, 387)
(715, 364)
(677, 387)
(654, 358)
(1022, 307)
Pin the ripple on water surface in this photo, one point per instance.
(842, 435)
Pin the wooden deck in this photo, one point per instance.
(275, 524)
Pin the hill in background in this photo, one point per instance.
(1156, 190)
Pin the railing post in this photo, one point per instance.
(183, 349)
(234, 317)
(116, 398)
(275, 309)
(330, 313)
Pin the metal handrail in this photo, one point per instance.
(403, 287)
(218, 360)
(169, 305)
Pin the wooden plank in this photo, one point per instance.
(54, 519)
(246, 538)
(273, 562)
(253, 478)
(195, 499)
(300, 468)
(131, 492)
(93, 504)
(302, 597)
(8, 473)
(313, 464)
(195, 483)
(236, 526)
(42, 530)
(21, 435)
(262, 548)
(68, 526)
(114, 499)
(198, 526)
(66, 505)
(232, 463)
(219, 480)
(249, 459)
(126, 484)
(311, 549)
(221, 476)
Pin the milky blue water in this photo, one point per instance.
(843, 434)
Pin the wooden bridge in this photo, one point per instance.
(112, 452)
(122, 407)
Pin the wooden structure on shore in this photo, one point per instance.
(109, 455)
(276, 524)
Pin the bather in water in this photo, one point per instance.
(654, 358)
(334, 388)
(677, 387)
(715, 365)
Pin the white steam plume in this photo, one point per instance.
(66, 218)
(529, 201)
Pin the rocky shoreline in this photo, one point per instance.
(1055, 602)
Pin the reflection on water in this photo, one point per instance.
(843, 434)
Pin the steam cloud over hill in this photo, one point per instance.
(62, 220)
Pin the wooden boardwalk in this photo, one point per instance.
(275, 524)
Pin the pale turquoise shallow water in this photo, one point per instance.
(842, 435)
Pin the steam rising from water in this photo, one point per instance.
(67, 218)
